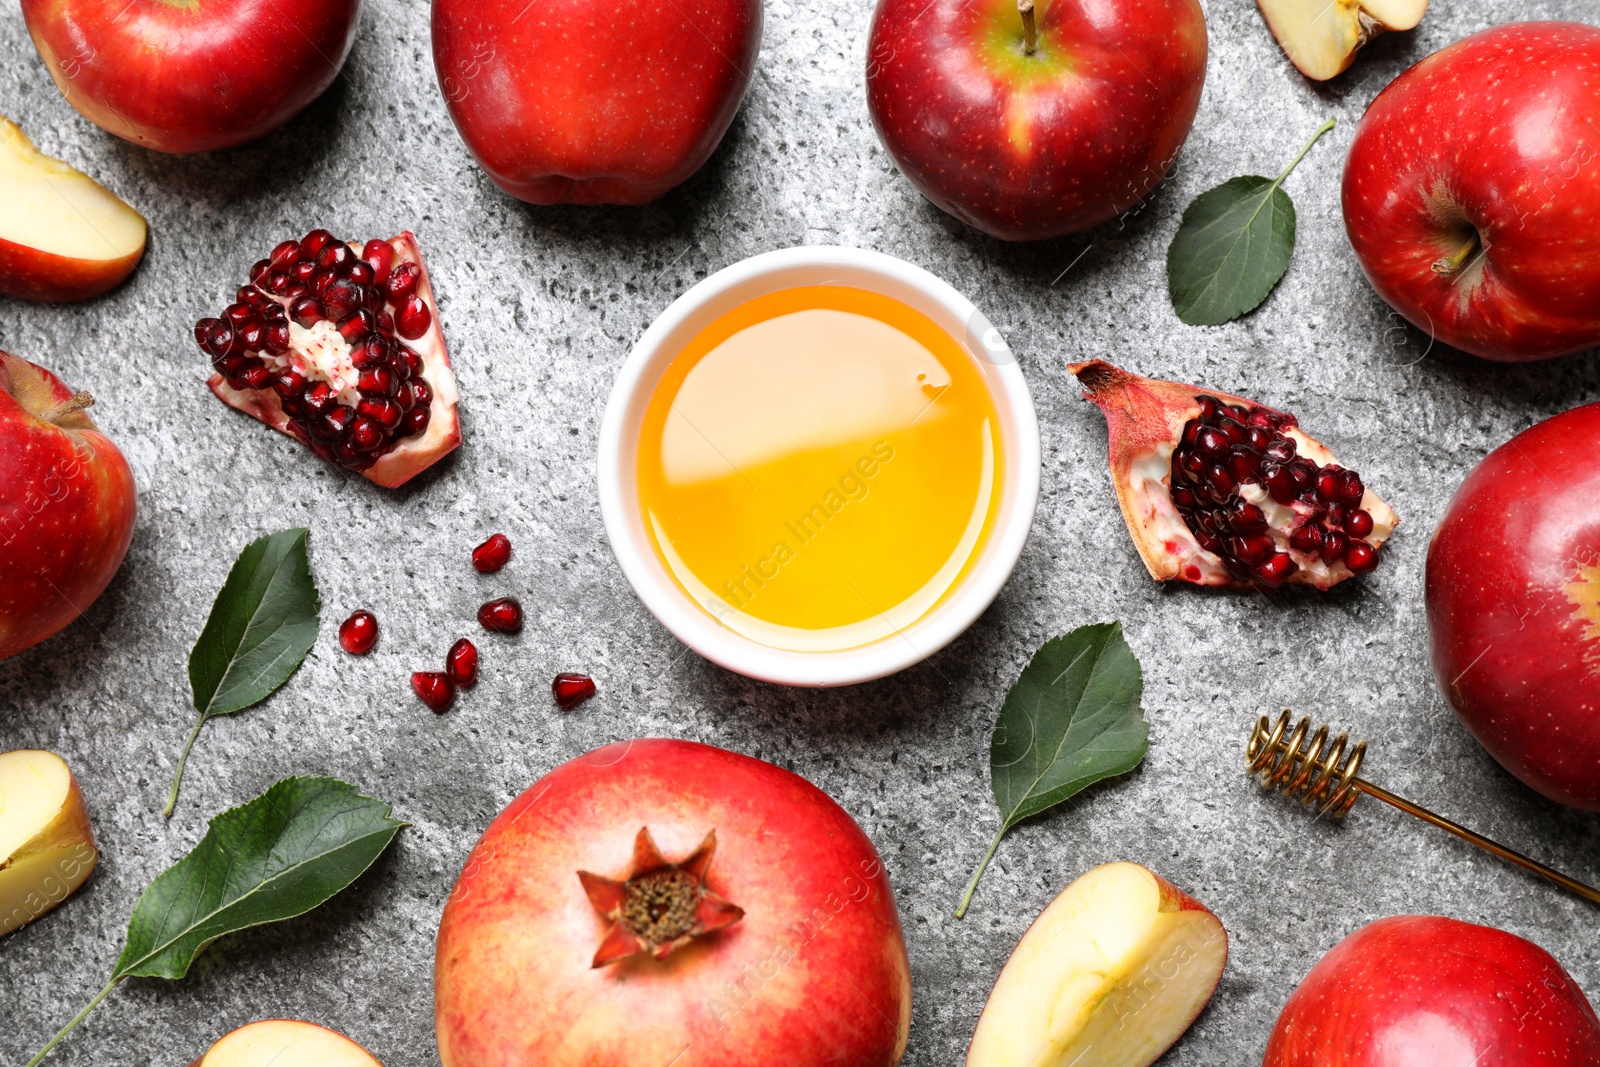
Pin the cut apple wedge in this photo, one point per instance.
(63, 235)
(1110, 974)
(1322, 37)
(285, 1043)
(46, 845)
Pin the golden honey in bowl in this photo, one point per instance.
(820, 467)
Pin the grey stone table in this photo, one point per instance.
(540, 307)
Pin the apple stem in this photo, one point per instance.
(183, 760)
(1295, 162)
(76, 1019)
(1030, 31)
(1449, 266)
(77, 402)
(983, 865)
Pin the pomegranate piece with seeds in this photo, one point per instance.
(570, 690)
(359, 633)
(1219, 490)
(492, 554)
(434, 689)
(338, 345)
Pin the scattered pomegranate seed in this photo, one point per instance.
(492, 554)
(502, 616)
(572, 689)
(435, 690)
(461, 664)
(359, 633)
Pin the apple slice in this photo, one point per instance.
(285, 1043)
(1321, 37)
(46, 845)
(1109, 975)
(63, 235)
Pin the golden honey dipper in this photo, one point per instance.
(1318, 773)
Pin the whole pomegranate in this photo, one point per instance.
(1219, 490)
(338, 345)
(655, 897)
(1513, 595)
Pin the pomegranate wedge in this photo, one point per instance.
(1220, 490)
(339, 346)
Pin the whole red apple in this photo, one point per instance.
(194, 76)
(588, 102)
(67, 505)
(655, 896)
(1513, 596)
(1423, 991)
(1034, 124)
(1470, 189)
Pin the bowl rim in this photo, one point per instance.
(660, 344)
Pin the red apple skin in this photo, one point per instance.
(149, 72)
(1030, 147)
(583, 102)
(1424, 991)
(67, 504)
(1496, 132)
(512, 977)
(1513, 598)
(29, 274)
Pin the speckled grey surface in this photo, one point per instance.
(540, 308)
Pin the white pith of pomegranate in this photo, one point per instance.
(339, 346)
(1220, 490)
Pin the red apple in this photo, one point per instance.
(1027, 143)
(63, 235)
(588, 102)
(1470, 188)
(194, 76)
(1421, 991)
(655, 896)
(67, 504)
(1513, 595)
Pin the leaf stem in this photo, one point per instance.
(183, 760)
(76, 1019)
(983, 865)
(1324, 128)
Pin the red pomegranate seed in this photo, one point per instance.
(359, 633)
(1358, 524)
(461, 664)
(1276, 570)
(1334, 546)
(379, 255)
(412, 318)
(435, 690)
(570, 690)
(492, 554)
(502, 616)
(1307, 538)
(402, 283)
(1360, 557)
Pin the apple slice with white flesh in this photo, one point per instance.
(46, 845)
(63, 235)
(285, 1043)
(1110, 974)
(1322, 37)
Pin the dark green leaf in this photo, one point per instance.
(1233, 246)
(261, 627)
(278, 856)
(1072, 719)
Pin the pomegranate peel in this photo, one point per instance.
(405, 320)
(1267, 506)
(660, 906)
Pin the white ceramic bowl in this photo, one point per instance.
(726, 290)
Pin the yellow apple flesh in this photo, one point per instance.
(63, 235)
(1110, 974)
(285, 1043)
(1321, 37)
(46, 845)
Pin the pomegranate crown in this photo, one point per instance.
(660, 906)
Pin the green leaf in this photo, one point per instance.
(1072, 719)
(276, 857)
(1233, 246)
(261, 626)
